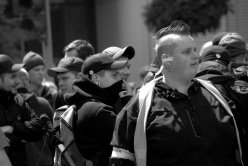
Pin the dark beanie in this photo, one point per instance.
(32, 59)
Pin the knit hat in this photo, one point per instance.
(117, 52)
(101, 61)
(65, 65)
(215, 53)
(234, 43)
(7, 64)
(32, 59)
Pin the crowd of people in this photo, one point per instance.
(190, 109)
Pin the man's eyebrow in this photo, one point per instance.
(189, 48)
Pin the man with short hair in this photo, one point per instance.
(79, 48)
(17, 120)
(175, 119)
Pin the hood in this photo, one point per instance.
(214, 75)
(87, 90)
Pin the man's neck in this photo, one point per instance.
(181, 85)
(36, 88)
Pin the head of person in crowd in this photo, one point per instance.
(215, 57)
(23, 84)
(176, 51)
(217, 38)
(204, 47)
(50, 84)
(79, 48)
(66, 73)
(126, 53)
(104, 71)
(8, 74)
(35, 66)
(236, 46)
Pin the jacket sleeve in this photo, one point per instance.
(3, 140)
(29, 127)
(123, 136)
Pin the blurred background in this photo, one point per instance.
(47, 26)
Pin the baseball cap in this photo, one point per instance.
(215, 53)
(7, 64)
(234, 43)
(65, 65)
(32, 59)
(117, 52)
(216, 39)
(101, 61)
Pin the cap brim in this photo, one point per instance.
(16, 67)
(52, 72)
(128, 52)
(118, 65)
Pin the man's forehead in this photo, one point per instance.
(38, 67)
(10, 74)
(64, 74)
(167, 44)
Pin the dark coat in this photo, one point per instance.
(237, 91)
(95, 121)
(180, 130)
(39, 151)
(27, 126)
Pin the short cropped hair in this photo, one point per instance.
(176, 27)
(83, 48)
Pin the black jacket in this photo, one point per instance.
(180, 130)
(27, 126)
(237, 91)
(95, 121)
(39, 151)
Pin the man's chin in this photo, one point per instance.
(13, 91)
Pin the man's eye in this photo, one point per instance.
(187, 52)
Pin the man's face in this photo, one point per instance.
(185, 60)
(65, 81)
(71, 53)
(23, 80)
(125, 71)
(36, 74)
(9, 82)
(109, 78)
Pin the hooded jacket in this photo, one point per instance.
(237, 91)
(95, 120)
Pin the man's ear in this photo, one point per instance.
(166, 62)
(166, 58)
(94, 78)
